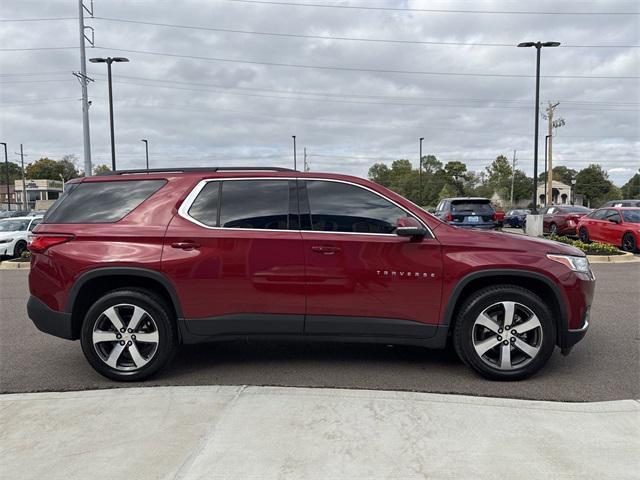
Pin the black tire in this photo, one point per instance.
(629, 243)
(465, 328)
(19, 248)
(553, 229)
(583, 234)
(158, 318)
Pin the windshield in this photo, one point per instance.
(631, 216)
(13, 225)
(471, 206)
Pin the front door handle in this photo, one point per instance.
(325, 249)
(187, 245)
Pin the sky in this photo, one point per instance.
(227, 82)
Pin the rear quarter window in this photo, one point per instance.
(101, 202)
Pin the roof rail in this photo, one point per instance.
(197, 169)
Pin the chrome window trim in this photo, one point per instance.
(183, 211)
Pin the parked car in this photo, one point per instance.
(134, 264)
(14, 234)
(13, 213)
(468, 212)
(622, 203)
(499, 218)
(562, 219)
(616, 226)
(515, 218)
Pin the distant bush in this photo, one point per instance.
(593, 248)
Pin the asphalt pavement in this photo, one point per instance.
(604, 366)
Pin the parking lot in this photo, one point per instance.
(602, 367)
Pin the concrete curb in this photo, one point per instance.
(9, 265)
(240, 432)
(626, 257)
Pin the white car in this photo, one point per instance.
(14, 234)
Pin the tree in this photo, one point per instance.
(499, 176)
(98, 169)
(522, 186)
(593, 182)
(15, 172)
(455, 174)
(448, 191)
(631, 189)
(46, 168)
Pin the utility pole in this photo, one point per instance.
(84, 81)
(306, 165)
(420, 174)
(295, 160)
(24, 183)
(550, 110)
(6, 166)
(513, 176)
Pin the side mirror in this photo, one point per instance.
(410, 227)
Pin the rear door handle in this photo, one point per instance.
(188, 245)
(325, 249)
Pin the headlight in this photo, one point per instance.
(577, 264)
(6, 240)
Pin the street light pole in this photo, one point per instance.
(6, 172)
(295, 160)
(420, 173)
(109, 61)
(546, 173)
(146, 149)
(538, 46)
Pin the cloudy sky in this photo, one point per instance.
(223, 82)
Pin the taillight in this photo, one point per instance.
(494, 217)
(448, 217)
(41, 242)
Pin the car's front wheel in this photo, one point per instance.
(128, 335)
(629, 243)
(583, 233)
(504, 332)
(19, 249)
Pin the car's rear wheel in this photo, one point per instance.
(584, 235)
(553, 229)
(128, 335)
(504, 332)
(629, 243)
(19, 249)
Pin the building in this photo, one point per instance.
(562, 195)
(40, 193)
(4, 204)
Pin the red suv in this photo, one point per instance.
(135, 263)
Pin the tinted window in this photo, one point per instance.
(262, 204)
(35, 223)
(100, 202)
(340, 207)
(479, 206)
(574, 210)
(631, 216)
(612, 215)
(205, 206)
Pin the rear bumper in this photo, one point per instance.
(48, 320)
(483, 226)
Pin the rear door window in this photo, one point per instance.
(100, 202)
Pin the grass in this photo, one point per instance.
(593, 248)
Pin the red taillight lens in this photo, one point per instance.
(42, 241)
(448, 217)
(494, 217)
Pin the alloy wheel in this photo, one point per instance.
(507, 335)
(628, 243)
(125, 337)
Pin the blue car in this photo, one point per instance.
(515, 218)
(468, 212)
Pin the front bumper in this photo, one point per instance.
(571, 337)
(48, 320)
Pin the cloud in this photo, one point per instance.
(211, 112)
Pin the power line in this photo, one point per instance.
(5, 20)
(357, 69)
(328, 37)
(428, 10)
(35, 49)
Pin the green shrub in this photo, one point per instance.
(593, 248)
